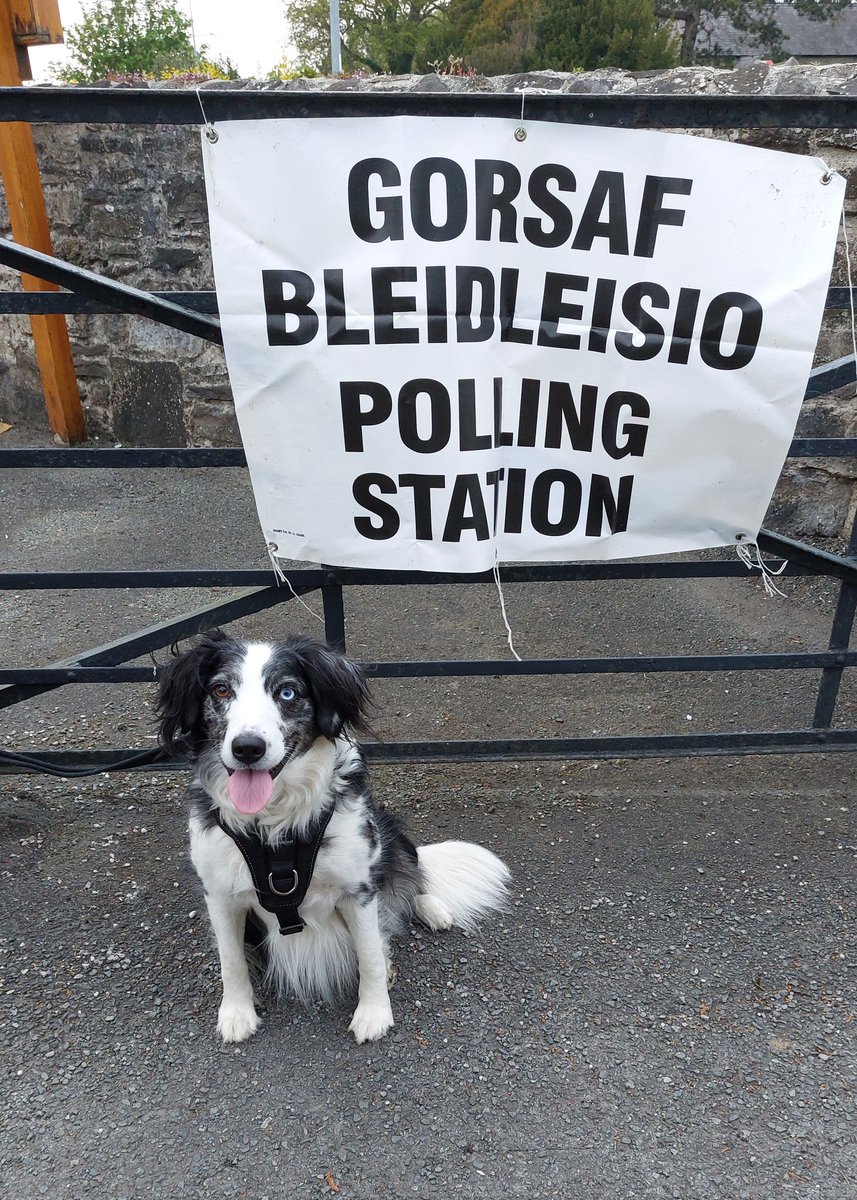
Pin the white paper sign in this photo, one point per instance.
(448, 346)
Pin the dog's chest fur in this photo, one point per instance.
(351, 851)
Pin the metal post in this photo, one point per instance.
(840, 639)
(334, 615)
(335, 41)
(28, 219)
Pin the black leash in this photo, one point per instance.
(282, 873)
(44, 766)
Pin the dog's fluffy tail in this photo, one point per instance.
(462, 883)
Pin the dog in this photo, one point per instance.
(286, 838)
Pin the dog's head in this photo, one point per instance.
(256, 706)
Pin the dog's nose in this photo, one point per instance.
(248, 747)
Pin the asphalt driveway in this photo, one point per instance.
(667, 1010)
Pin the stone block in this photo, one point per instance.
(791, 79)
(147, 403)
(543, 81)
(214, 423)
(21, 395)
(810, 502)
(174, 258)
(749, 79)
(431, 83)
(185, 200)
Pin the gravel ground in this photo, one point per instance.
(667, 1010)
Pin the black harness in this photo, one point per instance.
(281, 874)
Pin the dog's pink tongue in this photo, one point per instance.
(250, 791)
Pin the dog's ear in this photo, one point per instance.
(181, 690)
(339, 691)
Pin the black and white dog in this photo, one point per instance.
(282, 815)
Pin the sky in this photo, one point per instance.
(251, 33)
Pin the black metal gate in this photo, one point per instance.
(256, 590)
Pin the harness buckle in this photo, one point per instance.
(279, 891)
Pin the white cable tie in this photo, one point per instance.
(748, 552)
(282, 577)
(850, 292)
(503, 610)
(210, 132)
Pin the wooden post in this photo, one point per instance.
(29, 221)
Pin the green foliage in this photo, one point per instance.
(588, 34)
(497, 37)
(202, 69)
(287, 69)
(146, 39)
(492, 37)
(504, 37)
(756, 18)
(381, 36)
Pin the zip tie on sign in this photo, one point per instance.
(850, 291)
(282, 577)
(210, 132)
(748, 552)
(520, 132)
(212, 137)
(503, 608)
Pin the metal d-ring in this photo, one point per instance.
(278, 891)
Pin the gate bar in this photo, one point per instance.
(58, 676)
(159, 457)
(119, 296)
(22, 303)
(334, 615)
(156, 106)
(829, 376)
(730, 745)
(831, 677)
(155, 637)
(840, 639)
(73, 304)
(49, 581)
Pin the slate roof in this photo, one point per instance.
(803, 38)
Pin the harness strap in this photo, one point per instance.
(282, 873)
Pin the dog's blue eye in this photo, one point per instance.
(287, 693)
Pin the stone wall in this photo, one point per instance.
(129, 203)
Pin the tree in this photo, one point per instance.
(150, 38)
(756, 18)
(507, 36)
(381, 36)
(604, 33)
(496, 37)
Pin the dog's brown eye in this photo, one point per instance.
(221, 690)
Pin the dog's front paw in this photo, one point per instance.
(236, 1024)
(371, 1021)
